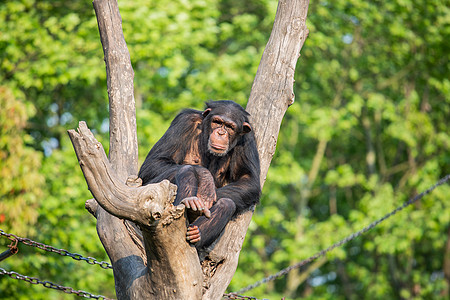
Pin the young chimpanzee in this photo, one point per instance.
(212, 157)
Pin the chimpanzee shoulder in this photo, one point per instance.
(173, 146)
(187, 117)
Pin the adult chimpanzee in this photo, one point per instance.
(212, 157)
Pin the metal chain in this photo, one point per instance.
(51, 285)
(340, 243)
(63, 252)
(105, 265)
(235, 296)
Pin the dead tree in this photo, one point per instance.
(142, 232)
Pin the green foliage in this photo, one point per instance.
(366, 89)
(20, 181)
(51, 56)
(368, 131)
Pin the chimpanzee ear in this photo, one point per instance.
(206, 112)
(246, 127)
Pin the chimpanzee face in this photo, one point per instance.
(224, 133)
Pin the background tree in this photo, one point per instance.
(21, 183)
(184, 53)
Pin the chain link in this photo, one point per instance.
(105, 265)
(340, 243)
(63, 252)
(51, 285)
(235, 296)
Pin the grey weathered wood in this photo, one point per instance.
(273, 87)
(142, 205)
(123, 152)
(158, 263)
(163, 228)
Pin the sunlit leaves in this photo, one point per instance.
(372, 78)
(20, 181)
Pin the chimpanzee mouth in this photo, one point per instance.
(218, 147)
(217, 150)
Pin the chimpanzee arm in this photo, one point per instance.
(210, 228)
(167, 155)
(245, 192)
(232, 198)
(243, 185)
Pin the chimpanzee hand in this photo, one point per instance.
(193, 234)
(197, 205)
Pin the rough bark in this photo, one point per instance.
(142, 232)
(123, 152)
(163, 227)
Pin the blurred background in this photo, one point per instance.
(368, 131)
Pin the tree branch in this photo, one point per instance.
(142, 205)
(123, 152)
(273, 88)
(173, 270)
(124, 251)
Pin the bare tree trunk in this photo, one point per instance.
(158, 263)
(123, 150)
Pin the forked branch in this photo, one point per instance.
(173, 269)
(143, 205)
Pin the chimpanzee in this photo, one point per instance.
(212, 157)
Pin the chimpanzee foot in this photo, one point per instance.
(193, 234)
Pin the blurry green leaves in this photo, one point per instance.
(43, 199)
(39, 49)
(50, 53)
(343, 176)
(20, 180)
(286, 171)
(372, 81)
(373, 78)
(185, 53)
